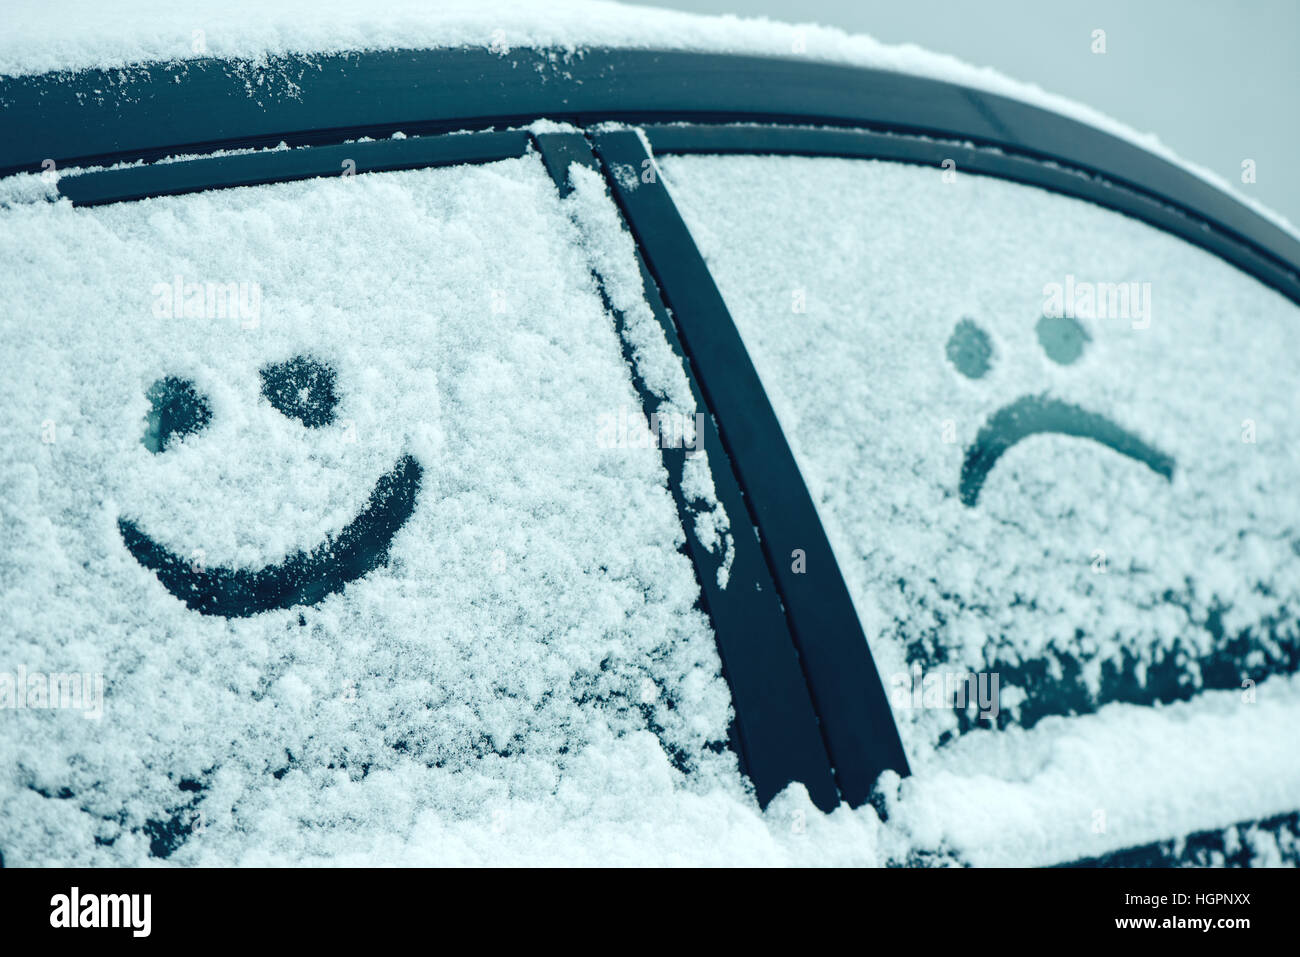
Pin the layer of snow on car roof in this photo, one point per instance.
(40, 37)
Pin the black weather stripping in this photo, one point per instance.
(273, 166)
(775, 734)
(856, 720)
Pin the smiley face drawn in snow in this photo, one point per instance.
(1063, 339)
(302, 389)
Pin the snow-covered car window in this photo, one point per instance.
(1053, 447)
(306, 481)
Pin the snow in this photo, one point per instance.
(535, 608)
(1065, 790)
(529, 680)
(846, 279)
(1078, 787)
(612, 254)
(39, 37)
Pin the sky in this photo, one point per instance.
(1217, 81)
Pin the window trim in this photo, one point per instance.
(278, 166)
(776, 735)
(857, 721)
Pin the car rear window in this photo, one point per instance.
(228, 381)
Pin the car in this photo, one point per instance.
(675, 449)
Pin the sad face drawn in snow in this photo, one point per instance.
(1063, 339)
(302, 389)
(1021, 476)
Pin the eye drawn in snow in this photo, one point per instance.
(1063, 339)
(301, 389)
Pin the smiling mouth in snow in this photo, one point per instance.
(1034, 415)
(301, 579)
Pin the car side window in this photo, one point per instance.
(1052, 446)
(313, 480)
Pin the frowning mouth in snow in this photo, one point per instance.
(1035, 415)
(301, 389)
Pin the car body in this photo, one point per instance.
(523, 453)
